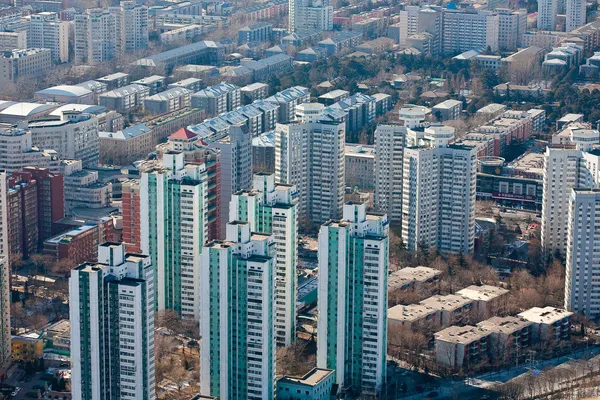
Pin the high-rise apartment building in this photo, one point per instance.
(237, 315)
(511, 27)
(564, 170)
(310, 15)
(309, 153)
(469, 30)
(173, 209)
(438, 194)
(105, 34)
(352, 299)
(5, 334)
(271, 208)
(47, 31)
(133, 27)
(235, 172)
(576, 14)
(111, 306)
(50, 202)
(130, 200)
(546, 17)
(390, 141)
(95, 36)
(582, 279)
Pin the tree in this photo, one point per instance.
(296, 359)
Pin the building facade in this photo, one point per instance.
(271, 208)
(173, 208)
(353, 270)
(237, 351)
(309, 154)
(583, 253)
(564, 170)
(438, 194)
(112, 326)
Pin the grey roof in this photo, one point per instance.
(127, 133)
(169, 94)
(178, 52)
(125, 90)
(64, 90)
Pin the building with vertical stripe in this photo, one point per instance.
(271, 208)
(173, 213)
(112, 326)
(237, 315)
(5, 334)
(352, 299)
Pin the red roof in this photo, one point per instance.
(183, 133)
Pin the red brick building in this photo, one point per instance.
(50, 199)
(80, 245)
(131, 216)
(22, 217)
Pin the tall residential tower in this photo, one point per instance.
(237, 315)
(173, 210)
(271, 208)
(111, 305)
(352, 299)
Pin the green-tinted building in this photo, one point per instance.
(272, 208)
(352, 299)
(173, 229)
(237, 316)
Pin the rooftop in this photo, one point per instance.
(311, 378)
(505, 325)
(408, 275)
(448, 302)
(546, 315)
(64, 90)
(483, 292)
(461, 334)
(410, 312)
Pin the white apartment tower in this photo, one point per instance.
(468, 30)
(271, 208)
(564, 170)
(582, 280)
(95, 36)
(5, 334)
(576, 14)
(511, 27)
(237, 315)
(106, 34)
(546, 18)
(438, 195)
(47, 31)
(352, 299)
(173, 229)
(111, 306)
(310, 14)
(235, 167)
(309, 153)
(133, 27)
(390, 141)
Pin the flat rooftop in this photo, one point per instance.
(505, 325)
(312, 378)
(483, 292)
(546, 315)
(408, 275)
(461, 334)
(448, 302)
(410, 313)
(530, 162)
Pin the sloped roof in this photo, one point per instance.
(183, 133)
